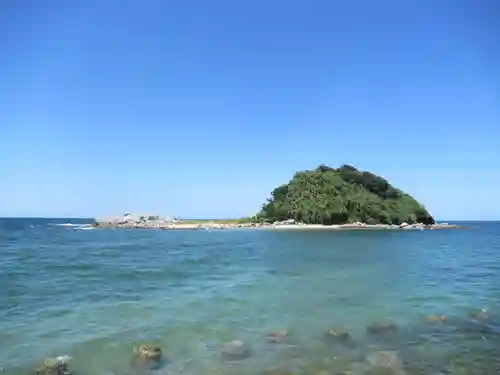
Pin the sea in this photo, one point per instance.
(95, 294)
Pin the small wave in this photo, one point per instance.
(84, 227)
(64, 224)
(73, 226)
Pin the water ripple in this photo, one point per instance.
(94, 294)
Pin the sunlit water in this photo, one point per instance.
(95, 294)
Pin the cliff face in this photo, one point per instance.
(341, 195)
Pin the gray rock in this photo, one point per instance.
(235, 350)
(386, 362)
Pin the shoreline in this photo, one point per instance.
(241, 224)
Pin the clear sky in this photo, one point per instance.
(200, 108)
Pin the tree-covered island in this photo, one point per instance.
(342, 195)
(329, 198)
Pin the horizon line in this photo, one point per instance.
(214, 218)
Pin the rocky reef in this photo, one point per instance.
(471, 345)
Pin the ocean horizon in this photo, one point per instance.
(59, 218)
(96, 294)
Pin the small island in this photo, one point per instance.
(323, 198)
(344, 195)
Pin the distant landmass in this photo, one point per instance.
(342, 195)
(323, 198)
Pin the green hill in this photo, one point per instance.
(336, 196)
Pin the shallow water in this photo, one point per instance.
(94, 294)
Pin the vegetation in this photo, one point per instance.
(336, 196)
(242, 220)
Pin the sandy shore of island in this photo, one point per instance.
(213, 225)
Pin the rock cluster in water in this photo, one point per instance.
(129, 220)
(385, 349)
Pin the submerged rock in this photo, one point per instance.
(148, 352)
(436, 318)
(381, 328)
(147, 357)
(337, 335)
(235, 350)
(478, 330)
(53, 366)
(277, 337)
(386, 362)
(480, 315)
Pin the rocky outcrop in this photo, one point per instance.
(54, 366)
(135, 221)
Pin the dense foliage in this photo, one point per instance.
(335, 196)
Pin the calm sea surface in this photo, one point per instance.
(95, 294)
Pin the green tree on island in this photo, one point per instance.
(336, 196)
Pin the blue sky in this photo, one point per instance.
(200, 108)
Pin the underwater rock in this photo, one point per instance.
(480, 315)
(479, 326)
(148, 352)
(147, 357)
(277, 337)
(53, 366)
(436, 318)
(381, 328)
(337, 335)
(386, 362)
(475, 330)
(235, 350)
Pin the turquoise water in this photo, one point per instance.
(94, 294)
